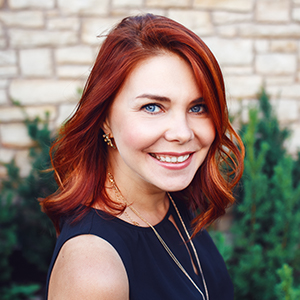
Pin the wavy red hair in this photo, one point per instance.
(79, 155)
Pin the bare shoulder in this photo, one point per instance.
(88, 267)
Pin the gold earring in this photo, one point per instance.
(108, 140)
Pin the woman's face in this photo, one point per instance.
(160, 124)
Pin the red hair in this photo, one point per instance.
(79, 155)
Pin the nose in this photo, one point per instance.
(179, 130)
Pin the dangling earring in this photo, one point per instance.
(108, 140)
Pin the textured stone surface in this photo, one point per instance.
(23, 162)
(296, 14)
(8, 71)
(86, 7)
(76, 54)
(6, 155)
(36, 62)
(291, 91)
(234, 52)
(92, 29)
(234, 5)
(63, 23)
(286, 110)
(65, 112)
(227, 31)
(32, 38)
(276, 31)
(38, 91)
(127, 3)
(8, 57)
(243, 86)
(197, 21)
(273, 11)
(80, 72)
(284, 46)
(15, 135)
(167, 3)
(262, 46)
(279, 80)
(3, 83)
(3, 42)
(237, 70)
(293, 145)
(23, 19)
(16, 114)
(18, 4)
(278, 64)
(3, 97)
(224, 17)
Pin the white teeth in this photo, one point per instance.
(180, 159)
(171, 159)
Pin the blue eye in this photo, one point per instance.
(199, 108)
(152, 108)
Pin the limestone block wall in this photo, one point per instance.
(47, 48)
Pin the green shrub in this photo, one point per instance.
(285, 289)
(27, 236)
(267, 216)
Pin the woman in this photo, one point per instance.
(149, 146)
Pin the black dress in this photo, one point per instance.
(152, 273)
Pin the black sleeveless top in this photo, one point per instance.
(152, 273)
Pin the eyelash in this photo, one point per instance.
(149, 105)
(202, 106)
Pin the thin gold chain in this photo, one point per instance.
(130, 219)
(192, 244)
(168, 250)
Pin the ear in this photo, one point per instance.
(106, 127)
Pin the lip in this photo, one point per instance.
(173, 166)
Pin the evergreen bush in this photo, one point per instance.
(27, 236)
(267, 216)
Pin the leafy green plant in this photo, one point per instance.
(267, 216)
(27, 236)
(285, 289)
(19, 292)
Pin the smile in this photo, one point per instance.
(171, 159)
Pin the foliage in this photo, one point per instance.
(19, 292)
(27, 236)
(267, 217)
(285, 289)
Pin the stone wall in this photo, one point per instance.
(47, 48)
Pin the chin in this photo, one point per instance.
(176, 187)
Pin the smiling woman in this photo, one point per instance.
(147, 160)
(161, 140)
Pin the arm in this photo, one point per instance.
(88, 267)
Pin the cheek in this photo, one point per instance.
(207, 133)
(136, 135)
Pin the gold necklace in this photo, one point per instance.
(120, 196)
(130, 219)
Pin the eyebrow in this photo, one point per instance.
(165, 99)
(154, 97)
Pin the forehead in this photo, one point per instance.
(166, 74)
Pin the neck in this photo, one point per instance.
(152, 204)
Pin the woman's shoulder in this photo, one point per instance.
(88, 267)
